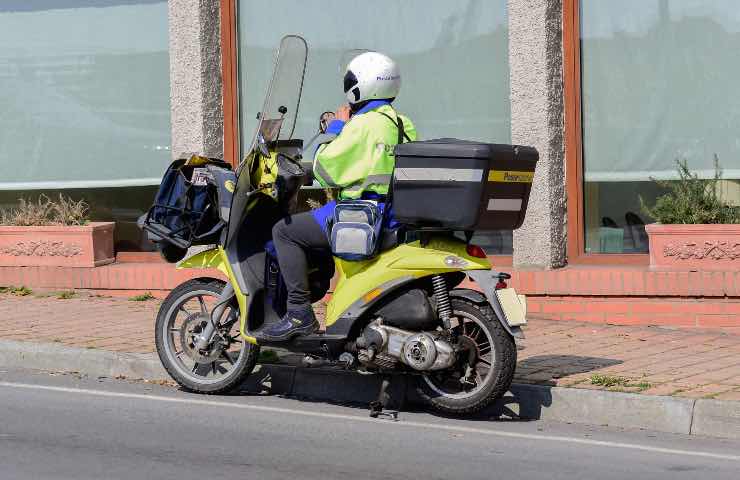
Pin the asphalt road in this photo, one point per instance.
(64, 427)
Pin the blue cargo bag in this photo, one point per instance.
(355, 229)
(185, 210)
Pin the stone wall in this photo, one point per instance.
(195, 76)
(536, 62)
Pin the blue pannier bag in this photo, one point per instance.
(185, 210)
(355, 229)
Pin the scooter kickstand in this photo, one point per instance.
(377, 408)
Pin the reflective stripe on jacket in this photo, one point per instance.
(360, 159)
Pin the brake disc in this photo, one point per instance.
(191, 328)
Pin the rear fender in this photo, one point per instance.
(487, 282)
(471, 295)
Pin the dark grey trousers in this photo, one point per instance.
(296, 238)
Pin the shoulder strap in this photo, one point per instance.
(399, 125)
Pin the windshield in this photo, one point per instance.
(278, 114)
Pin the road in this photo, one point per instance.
(65, 427)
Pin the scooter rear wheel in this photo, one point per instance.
(450, 392)
(183, 315)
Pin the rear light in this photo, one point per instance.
(501, 285)
(475, 251)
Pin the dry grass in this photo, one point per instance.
(71, 212)
(44, 211)
(29, 213)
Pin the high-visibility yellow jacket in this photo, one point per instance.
(360, 159)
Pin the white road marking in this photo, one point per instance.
(339, 416)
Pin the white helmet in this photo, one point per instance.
(371, 76)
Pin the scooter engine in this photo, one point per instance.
(383, 346)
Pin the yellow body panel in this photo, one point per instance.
(362, 279)
(365, 279)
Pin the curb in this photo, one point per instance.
(713, 418)
(94, 362)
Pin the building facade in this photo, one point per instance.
(100, 95)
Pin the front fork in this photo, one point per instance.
(204, 340)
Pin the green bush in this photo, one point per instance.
(17, 291)
(692, 200)
(146, 296)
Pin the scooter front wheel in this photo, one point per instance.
(226, 363)
(467, 389)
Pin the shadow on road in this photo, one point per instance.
(349, 389)
(546, 369)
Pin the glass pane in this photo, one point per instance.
(659, 84)
(84, 96)
(84, 93)
(453, 58)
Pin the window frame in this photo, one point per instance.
(229, 74)
(574, 184)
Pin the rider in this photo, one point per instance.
(359, 161)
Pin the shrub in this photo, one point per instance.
(692, 200)
(17, 291)
(44, 211)
(146, 296)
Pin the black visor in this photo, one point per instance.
(350, 80)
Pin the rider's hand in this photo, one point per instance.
(342, 113)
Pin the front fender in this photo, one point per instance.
(487, 282)
(216, 258)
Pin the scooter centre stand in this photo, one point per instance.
(379, 406)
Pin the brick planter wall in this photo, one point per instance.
(677, 312)
(633, 296)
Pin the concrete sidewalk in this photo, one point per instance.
(647, 360)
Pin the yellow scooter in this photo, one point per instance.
(400, 311)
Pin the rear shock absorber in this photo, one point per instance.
(444, 308)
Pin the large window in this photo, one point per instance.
(453, 58)
(659, 84)
(84, 96)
